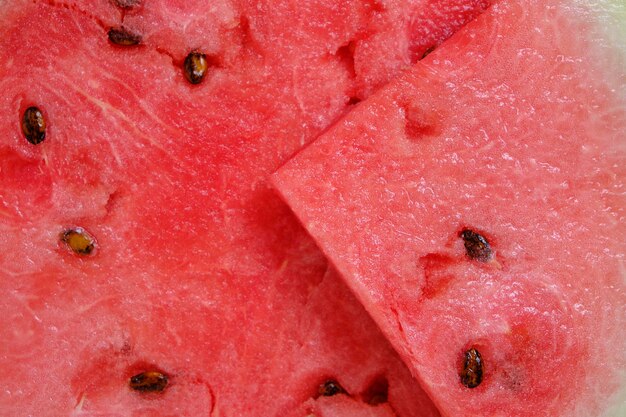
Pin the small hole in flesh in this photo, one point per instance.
(245, 32)
(354, 100)
(123, 37)
(79, 241)
(476, 245)
(376, 5)
(149, 381)
(436, 273)
(345, 54)
(419, 122)
(472, 369)
(33, 125)
(330, 387)
(377, 392)
(195, 67)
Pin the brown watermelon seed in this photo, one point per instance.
(79, 241)
(472, 371)
(330, 388)
(126, 4)
(476, 246)
(123, 37)
(428, 52)
(34, 125)
(149, 381)
(195, 67)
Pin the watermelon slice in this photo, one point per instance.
(146, 266)
(476, 206)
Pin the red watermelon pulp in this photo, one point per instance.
(146, 266)
(476, 206)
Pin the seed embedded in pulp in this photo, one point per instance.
(428, 52)
(34, 125)
(123, 37)
(195, 67)
(330, 388)
(472, 371)
(126, 4)
(149, 381)
(79, 241)
(476, 246)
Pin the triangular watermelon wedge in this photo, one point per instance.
(476, 206)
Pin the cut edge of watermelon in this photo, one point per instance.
(615, 13)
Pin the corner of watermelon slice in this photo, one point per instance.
(476, 206)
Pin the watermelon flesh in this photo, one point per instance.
(513, 129)
(199, 270)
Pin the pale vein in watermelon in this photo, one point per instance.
(199, 270)
(515, 128)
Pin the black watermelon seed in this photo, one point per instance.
(195, 67)
(476, 246)
(149, 381)
(472, 371)
(330, 388)
(79, 241)
(34, 125)
(123, 37)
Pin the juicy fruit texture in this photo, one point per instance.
(514, 130)
(193, 268)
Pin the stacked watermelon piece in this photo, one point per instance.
(473, 202)
(477, 211)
